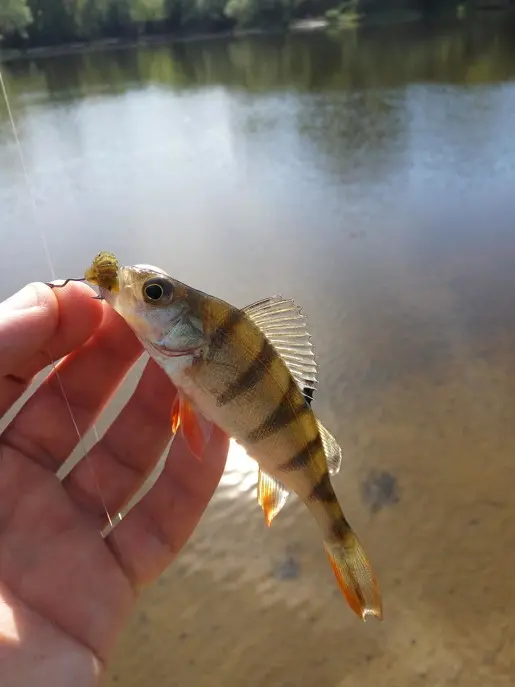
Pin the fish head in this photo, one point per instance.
(162, 312)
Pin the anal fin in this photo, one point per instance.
(271, 494)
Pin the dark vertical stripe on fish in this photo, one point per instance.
(223, 331)
(287, 411)
(323, 490)
(302, 459)
(251, 376)
(340, 528)
(308, 394)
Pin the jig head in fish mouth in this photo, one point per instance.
(102, 272)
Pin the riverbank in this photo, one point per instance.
(106, 44)
(340, 22)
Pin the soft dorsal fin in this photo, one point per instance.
(285, 326)
(332, 449)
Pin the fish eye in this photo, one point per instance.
(157, 289)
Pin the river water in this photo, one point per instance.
(370, 175)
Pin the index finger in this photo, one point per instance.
(39, 325)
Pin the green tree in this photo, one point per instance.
(88, 17)
(52, 22)
(204, 14)
(260, 12)
(148, 10)
(15, 16)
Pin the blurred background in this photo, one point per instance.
(361, 161)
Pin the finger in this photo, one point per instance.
(39, 325)
(155, 530)
(115, 469)
(157, 527)
(80, 387)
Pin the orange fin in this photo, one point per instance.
(186, 419)
(272, 495)
(176, 414)
(355, 576)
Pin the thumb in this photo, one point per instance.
(27, 321)
(39, 325)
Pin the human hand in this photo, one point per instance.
(65, 593)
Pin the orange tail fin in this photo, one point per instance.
(355, 576)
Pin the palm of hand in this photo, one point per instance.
(65, 592)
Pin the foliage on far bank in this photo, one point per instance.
(31, 23)
(48, 22)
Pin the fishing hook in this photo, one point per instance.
(60, 286)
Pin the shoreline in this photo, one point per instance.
(484, 7)
(109, 44)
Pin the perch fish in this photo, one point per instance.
(251, 372)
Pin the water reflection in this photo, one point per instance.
(240, 475)
(467, 53)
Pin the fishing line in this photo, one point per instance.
(32, 198)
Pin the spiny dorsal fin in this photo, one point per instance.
(285, 326)
(333, 452)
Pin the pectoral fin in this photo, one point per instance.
(176, 414)
(272, 495)
(188, 421)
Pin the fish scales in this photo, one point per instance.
(281, 428)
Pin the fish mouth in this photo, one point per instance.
(175, 352)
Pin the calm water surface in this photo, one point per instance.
(371, 177)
